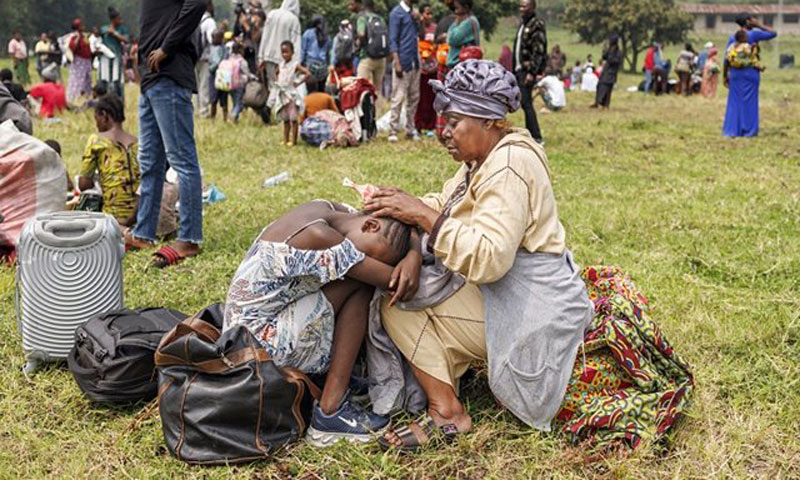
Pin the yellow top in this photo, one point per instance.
(508, 205)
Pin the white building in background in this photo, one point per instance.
(720, 19)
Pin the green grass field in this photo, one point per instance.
(708, 227)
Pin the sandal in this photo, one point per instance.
(166, 256)
(410, 442)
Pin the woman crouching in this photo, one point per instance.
(304, 290)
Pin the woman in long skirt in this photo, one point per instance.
(741, 115)
(80, 71)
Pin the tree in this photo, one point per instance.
(637, 22)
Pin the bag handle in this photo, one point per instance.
(292, 373)
(216, 365)
(192, 325)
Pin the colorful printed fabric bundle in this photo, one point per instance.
(630, 385)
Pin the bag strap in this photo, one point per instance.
(292, 373)
(217, 365)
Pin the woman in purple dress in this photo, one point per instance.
(741, 116)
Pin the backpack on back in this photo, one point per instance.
(377, 37)
(113, 357)
(345, 48)
(229, 75)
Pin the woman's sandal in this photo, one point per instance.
(431, 432)
(166, 256)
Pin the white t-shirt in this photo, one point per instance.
(589, 81)
(555, 91)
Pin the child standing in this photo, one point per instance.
(217, 53)
(113, 153)
(285, 97)
(244, 75)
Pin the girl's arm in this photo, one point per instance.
(369, 271)
(304, 71)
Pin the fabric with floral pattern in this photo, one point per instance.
(277, 294)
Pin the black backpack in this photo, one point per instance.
(113, 356)
(377, 37)
(345, 48)
(222, 399)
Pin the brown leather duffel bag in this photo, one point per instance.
(221, 397)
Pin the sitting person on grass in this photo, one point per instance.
(304, 290)
(51, 94)
(552, 91)
(113, 154)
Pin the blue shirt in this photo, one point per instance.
(403, 37)
(312, 50)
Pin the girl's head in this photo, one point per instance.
(384, 239)
(741, 36)
(237, 48)
(216, 37)
(462, 7)
(427, 13)
(108, 111)
(287, 50)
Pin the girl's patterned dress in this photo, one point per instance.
(277, 294)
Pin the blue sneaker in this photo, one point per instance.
(349, 423)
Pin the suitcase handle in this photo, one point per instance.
(68, 233)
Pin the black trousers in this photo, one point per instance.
(603, 97)
(531, 122)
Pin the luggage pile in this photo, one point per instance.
(221, 397)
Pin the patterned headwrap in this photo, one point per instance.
(477, 88)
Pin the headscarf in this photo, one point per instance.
(477, 88)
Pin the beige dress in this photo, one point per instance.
(508, 204)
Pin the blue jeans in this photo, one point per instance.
(648, 80)
(166, 135)
(238, 99)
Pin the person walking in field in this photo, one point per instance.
(167, 57)
(18, 51)
(80, 71)
(530, 61)
(372, 42)
(404, 44)
(111, 70)
(612, 60)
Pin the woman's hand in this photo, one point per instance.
(405, 278)
(391, 202)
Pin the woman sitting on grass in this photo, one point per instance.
(304, 290)
(113, 154)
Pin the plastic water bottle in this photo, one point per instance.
(276, 180)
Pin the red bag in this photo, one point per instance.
(471, 52)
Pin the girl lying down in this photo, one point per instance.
(304, 290)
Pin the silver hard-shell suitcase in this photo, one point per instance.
(69, 268)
